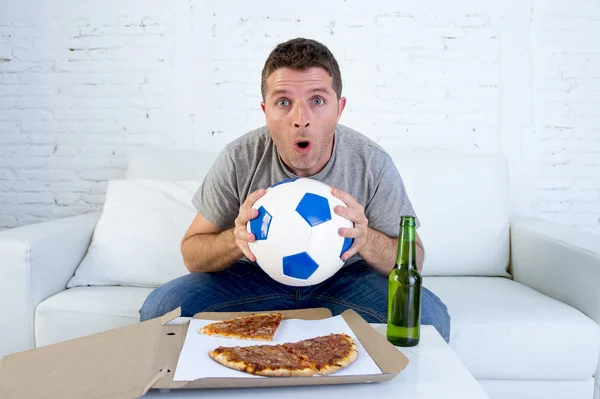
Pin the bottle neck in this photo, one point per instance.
(406, 257)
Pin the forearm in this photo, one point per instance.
(380, 252)
(210, 252)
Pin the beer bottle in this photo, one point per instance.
(404, 290)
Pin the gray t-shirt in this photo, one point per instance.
(358, 166)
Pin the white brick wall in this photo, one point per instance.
(565, 44)
(82, 83)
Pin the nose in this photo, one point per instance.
(301, 117)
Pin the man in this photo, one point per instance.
(302, 102)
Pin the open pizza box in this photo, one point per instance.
(129, 361)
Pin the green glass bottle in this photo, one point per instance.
(404, 289)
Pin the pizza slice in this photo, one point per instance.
(258, 326)
(328, 353)
(322, 355)
(265, 360)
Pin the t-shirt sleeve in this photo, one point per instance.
(390, 202)
(217, 197)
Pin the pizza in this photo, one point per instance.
(321, 355)
(257, 326)
(329, 353)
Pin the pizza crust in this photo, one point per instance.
(307, 372)
(340, 364)
(224, 360)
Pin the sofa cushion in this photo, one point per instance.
(82, 311)
(463, 205)
(138, 237)
(504, 330)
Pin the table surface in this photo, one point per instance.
(433, 371)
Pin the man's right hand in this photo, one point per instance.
(247, 213)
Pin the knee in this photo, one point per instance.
(151, 308)
(165, 298)
(435, 312)
(443, 324)
(441, 321)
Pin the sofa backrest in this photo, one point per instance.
(169, 164)
(462, 201)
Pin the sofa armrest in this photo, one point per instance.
(562, 262)
(36, 262)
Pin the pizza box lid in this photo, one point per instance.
(128, 361)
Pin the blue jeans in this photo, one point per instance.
(245, 287)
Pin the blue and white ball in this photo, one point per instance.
(297, 240)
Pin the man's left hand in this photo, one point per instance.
(355, 213)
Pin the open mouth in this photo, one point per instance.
(302, 146)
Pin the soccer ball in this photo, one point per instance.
(297, 241)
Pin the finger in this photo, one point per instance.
(246, 251)
(345, 197)
(349, 232)
(253, 197)
(353, 215)
(248, 215)
(242, 234)
(350, 252)
(242, 238)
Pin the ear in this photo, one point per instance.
(341, 106)
(262, 106)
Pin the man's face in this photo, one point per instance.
(302, 111)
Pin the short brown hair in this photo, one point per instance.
(300, 54)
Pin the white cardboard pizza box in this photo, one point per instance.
(129, 361)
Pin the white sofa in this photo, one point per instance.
(524, 295)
